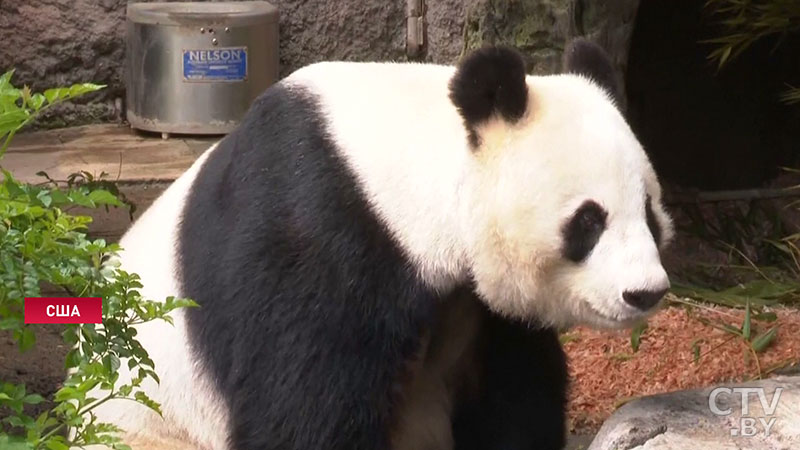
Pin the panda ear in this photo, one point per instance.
(586, 58)
(490, 81)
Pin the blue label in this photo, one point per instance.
(215, 64)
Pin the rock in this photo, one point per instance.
(445, 29)
(60, 42)
(355, 30)
(540, 29)
(709, 419)
(57, 42)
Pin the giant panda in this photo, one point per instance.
(383, 254)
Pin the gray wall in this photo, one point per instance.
(52, 42)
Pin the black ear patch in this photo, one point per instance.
(590, 60)
(489, 81)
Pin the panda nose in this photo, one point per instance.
(643, 300)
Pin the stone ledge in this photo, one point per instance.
(126, 155)
(684, 420)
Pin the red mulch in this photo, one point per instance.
(605, 371)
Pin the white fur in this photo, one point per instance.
(404, 140)
(496, 213)
(572, 145)
(193, 412)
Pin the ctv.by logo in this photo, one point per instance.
(748, 426)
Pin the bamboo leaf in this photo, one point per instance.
(636, 336)
(746, 324)
(762, 341)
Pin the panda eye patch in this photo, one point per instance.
(583, 230)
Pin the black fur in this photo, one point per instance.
(583, 230)
(310, 311)
(523, 394)
(590, 60)
(652, 222)
(489, 81)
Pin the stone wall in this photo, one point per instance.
(52, 42)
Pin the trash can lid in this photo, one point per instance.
(203, 13)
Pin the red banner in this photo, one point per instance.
(63, 310)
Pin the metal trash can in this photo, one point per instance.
(195, 68)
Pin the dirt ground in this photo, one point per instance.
(41, 368)
(606, 372)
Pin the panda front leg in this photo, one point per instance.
(320, 376)
(520, 401)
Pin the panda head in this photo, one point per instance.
(563, 219)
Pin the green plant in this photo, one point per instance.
(759, 272)
(744, 22)
(636, 335)
(748, 332)
(756, 266)
(18, 107)
(42, 244)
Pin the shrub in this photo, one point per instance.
(41, 244)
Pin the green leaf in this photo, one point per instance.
(142, 398)
(18, 392)
(762, 341)
(8, 100)
(44, 197)
(33, 399)
(14, 443)
(761, 289)
(10, 323)
(757, 292)
(730, 329)
(14, 189)
(5, 80)
(56, 94)
(55, 445)
(12, 120)
(696, 350)
(27, 339)
(636, 335)
(73, 359)
(766, 316)
(103, 197)
(621, 357)
(67, 393)
(37, 101)
(746, 323)
(568, 337)
(79, 198)
(84, 88)
(58, 197)
(111, 361)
